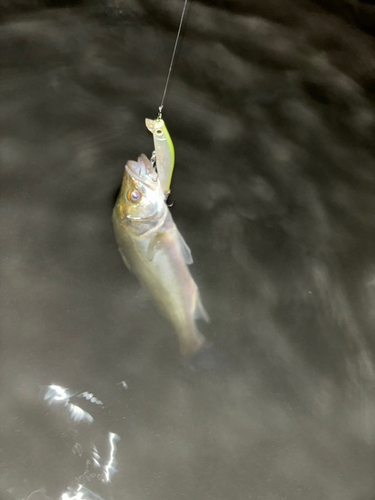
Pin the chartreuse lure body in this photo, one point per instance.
(164, 152)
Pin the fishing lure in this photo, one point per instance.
(164, 152)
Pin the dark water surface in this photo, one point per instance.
(271, 109)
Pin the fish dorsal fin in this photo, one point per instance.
(199, 311)
(154, 245)
(185, 250)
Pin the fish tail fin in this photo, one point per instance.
(190, 339)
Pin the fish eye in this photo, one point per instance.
(133, 196)
(159, 131)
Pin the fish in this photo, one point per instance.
(152, 248)
(164, 152)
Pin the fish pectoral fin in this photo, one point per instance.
(199, 311)
(185, 250)
(154, 245)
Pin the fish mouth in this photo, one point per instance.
(143, 171)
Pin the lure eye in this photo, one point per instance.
(159, 131)
(133, 196)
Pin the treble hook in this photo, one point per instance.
(153, 160)
(169, 205)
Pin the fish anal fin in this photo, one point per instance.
(199, 310)
(154, 245)
(125, 259)
(185, 250)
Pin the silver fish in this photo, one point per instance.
(153, 248)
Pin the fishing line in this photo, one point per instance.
(172, 60)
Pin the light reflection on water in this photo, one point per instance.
(80, 493)
(59, 397)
